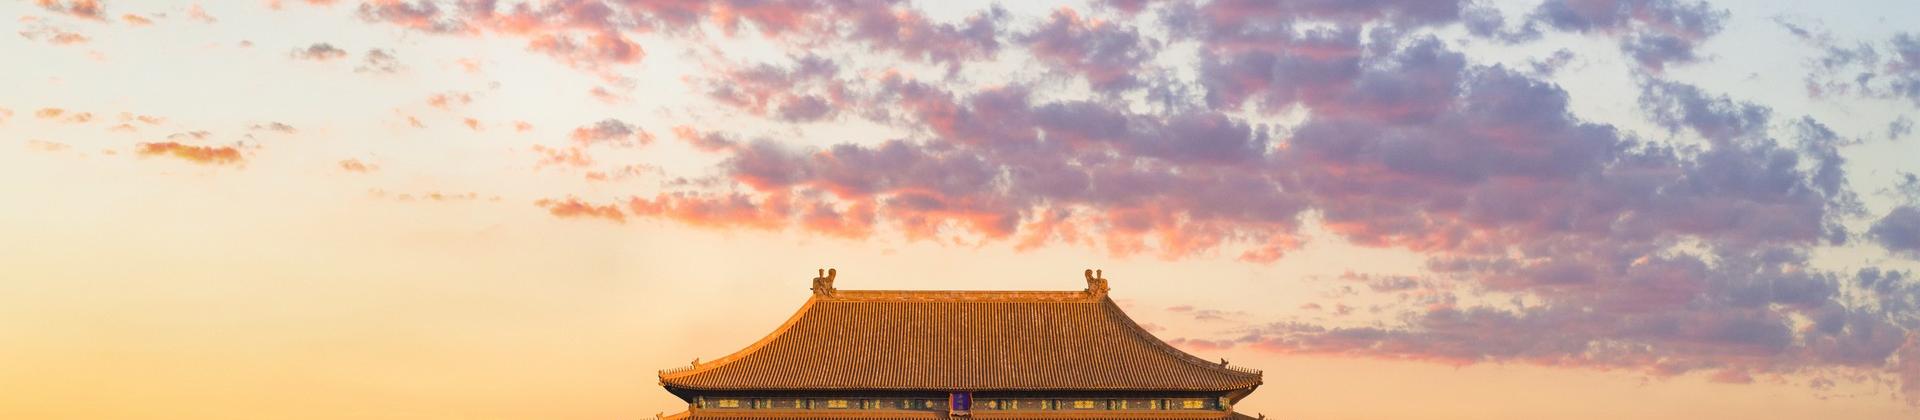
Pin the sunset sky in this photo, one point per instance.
(1398, 209)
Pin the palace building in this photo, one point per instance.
(885, 354)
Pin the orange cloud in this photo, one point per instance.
(574, 208)
(435, 196)
(144, 119)
(355, 165)
(84, 9)
(55, 36)
(63, 115)
(625, 172)
(277, 4)
(471, 65)
(565, 156)
(206, 155)
(46, 146)
(448, 100)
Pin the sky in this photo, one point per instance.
(1436, 209)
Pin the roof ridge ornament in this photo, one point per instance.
(823, 284)
(1096, 283)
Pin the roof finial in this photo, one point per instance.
(1096, 283)
(823, 285)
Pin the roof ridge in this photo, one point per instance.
(961, 296)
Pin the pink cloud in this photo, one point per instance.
(574, 208)
(591, 52)
(705, 142)
(716, 211)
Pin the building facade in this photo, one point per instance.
(879, 354)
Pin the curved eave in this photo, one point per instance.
(1255, 377)
(667, 378)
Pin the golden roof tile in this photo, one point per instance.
(960, 341)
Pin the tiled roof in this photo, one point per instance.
(960, 340)
(930, 415)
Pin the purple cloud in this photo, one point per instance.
(594, 34)
(319, 52)
(1889, 70)
(1654, 33)
(1643, 254)
(1898, 231)
(1108, 55)
(808, 90)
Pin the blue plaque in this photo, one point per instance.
(960, 402)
